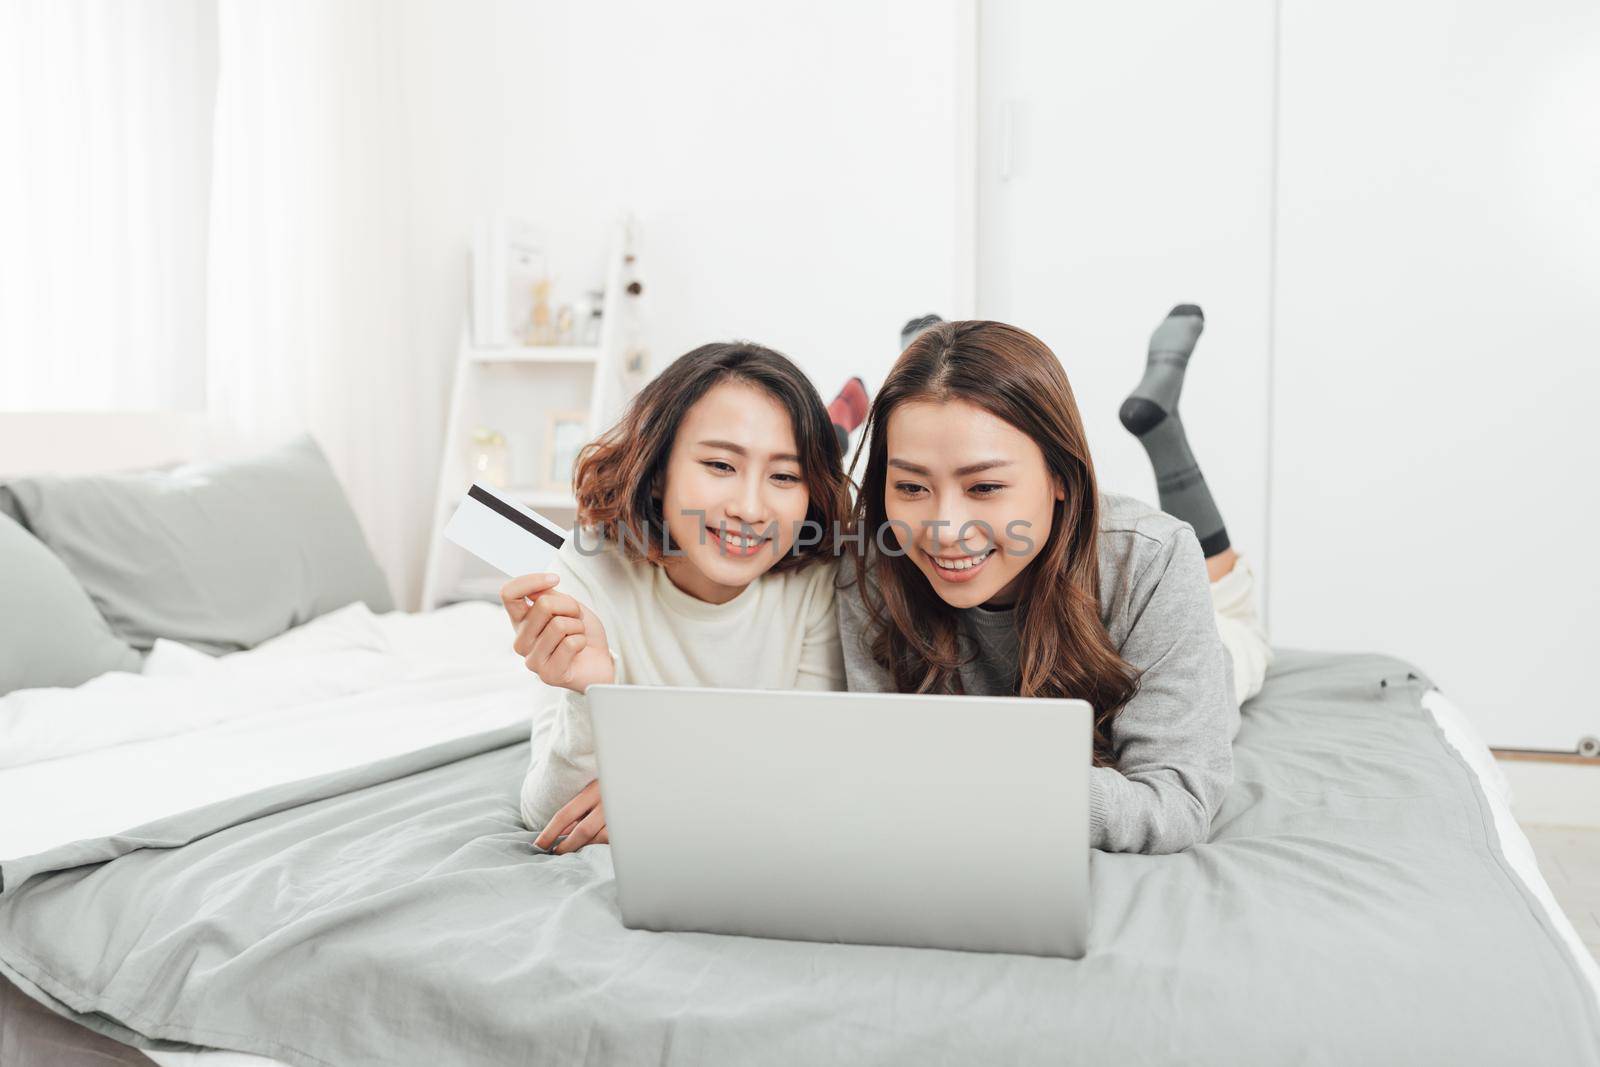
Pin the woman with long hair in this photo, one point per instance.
(994, 566)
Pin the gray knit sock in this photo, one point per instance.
(1151, 414)
(916, 328)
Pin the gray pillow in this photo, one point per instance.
(219, 556)
(50, 633)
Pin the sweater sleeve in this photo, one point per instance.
(563, 756)
(1173, 739)
(562, 752)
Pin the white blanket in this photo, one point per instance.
(342, 690)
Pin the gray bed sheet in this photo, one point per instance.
(1352, 906)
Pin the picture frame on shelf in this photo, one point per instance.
(565, 434)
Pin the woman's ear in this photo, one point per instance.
(1058, 487)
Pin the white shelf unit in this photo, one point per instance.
(514, 389)
(537, 354)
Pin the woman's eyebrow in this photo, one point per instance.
(961, 472)
(988, 464)
(740, 450)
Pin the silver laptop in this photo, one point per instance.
(931, 821)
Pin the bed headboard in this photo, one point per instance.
(91, 442)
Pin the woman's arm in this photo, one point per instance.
(562, 754)
(1173, 740)
(563, 759)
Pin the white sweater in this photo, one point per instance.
(780, 633)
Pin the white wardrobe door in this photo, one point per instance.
(1438, 349)
(1124, 166)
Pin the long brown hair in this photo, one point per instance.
(620, 476)
(1063, 648)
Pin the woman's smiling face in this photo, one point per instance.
(735, 493)
(969, 498)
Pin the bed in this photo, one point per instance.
(332, 872)
(301, 846)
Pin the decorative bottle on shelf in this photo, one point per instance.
(540, 331)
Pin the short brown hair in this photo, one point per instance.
(619, 475)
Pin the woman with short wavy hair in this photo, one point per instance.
(703, 557)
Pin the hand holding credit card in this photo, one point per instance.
(513, 539)
(518, 542)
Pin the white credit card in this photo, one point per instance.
(512, 539)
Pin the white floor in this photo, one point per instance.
(1569, 858)
(1553, 794)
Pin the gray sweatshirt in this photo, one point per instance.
(1174, 740)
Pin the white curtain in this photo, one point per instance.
(105, 131)
(205, 207)
(309, 308)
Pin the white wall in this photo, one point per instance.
(792, 174)
(1139, 177)
(1434, 482)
